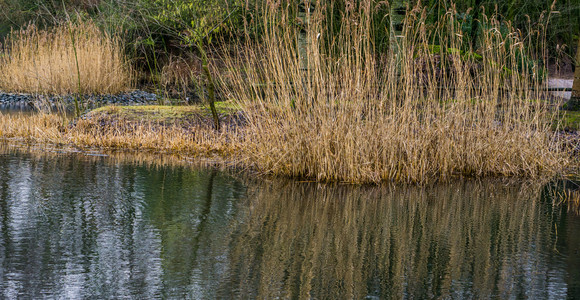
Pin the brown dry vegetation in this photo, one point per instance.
(181, 77)
(354, 116)
(35, 128)
(409, 116)
(113, 131)
(192, 134)
(39, 61)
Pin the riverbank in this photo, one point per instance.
(182, 131)
(343, 112)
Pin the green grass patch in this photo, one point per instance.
(569, 120)
(163, 114)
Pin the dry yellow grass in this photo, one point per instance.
(406, 116)
(33, 128)
(181, 76)
(186, 133)
(355, 116)
(152, 136)
(113, 132)
(38, 61)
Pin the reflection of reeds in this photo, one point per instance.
(40, 61)
(142, 158)
(573, 199)
(338, 111)
(568, 197)
(304, 241)
(296, 240)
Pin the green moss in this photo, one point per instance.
(454, 51)
(434, 49)
(569, 120)
(466, 55)
(474, 56)
(163, 113)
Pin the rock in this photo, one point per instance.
(15, 101)
(561, 83)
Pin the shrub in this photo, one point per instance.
(39, 61)
(339, 111)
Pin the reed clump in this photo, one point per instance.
(70, 58)
(110, 132)
(33, 128)
(190, 137)
(332, 108)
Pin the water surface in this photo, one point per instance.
(75, 226)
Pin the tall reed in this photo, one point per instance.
(408, 115)
(47, 61)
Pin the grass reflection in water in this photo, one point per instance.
(465, 240)
(126, 227)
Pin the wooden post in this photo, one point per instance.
(305, 8)
(574, 103)
(576, 85)
(397, 16)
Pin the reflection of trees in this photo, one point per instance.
(193, 210)
(74, 226)
(471, 240)
(72, 230)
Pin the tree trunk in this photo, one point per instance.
(397, 18)
(576, 85)
(475, 24)
(574, 102)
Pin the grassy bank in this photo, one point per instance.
(159, 129)
(569, 120)
(187, 132)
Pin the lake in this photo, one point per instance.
(75, 226)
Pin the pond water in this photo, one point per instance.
(74, 226)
